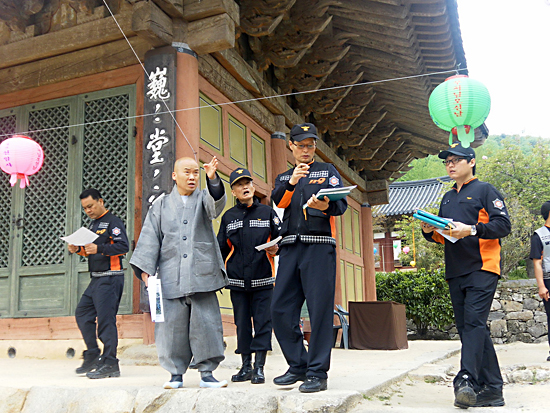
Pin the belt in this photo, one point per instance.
(106, 273)
(308, 239)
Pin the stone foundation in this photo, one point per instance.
(517, 314)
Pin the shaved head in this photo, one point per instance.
(187, 175)
(185, 162)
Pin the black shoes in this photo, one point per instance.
(465, 396)
(245, 373)
(289, 378)
(313, 384)
(488, 397)
(104, 371)
(91, 361)
(548, 359)
(258, 376)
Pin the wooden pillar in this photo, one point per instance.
(278, 153)
(387, 246)
(368, 254)
(187, 97)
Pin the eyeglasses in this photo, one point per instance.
(453, 161)
(302, 147)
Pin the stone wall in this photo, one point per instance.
(517, 314)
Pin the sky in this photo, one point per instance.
(507, 47)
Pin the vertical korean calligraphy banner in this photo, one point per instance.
(159, 132)
(159, 128)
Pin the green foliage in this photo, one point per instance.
(519, 273)
(427, 255)
(520, 172)
(424, 293)
(425, 168)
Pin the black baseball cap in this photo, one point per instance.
(545, 210)
(457, 149)
(239, 173)
(303, 131)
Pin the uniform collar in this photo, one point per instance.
(465, 183)
(244, 206)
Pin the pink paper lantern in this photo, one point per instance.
(20, 157)
(406, 250)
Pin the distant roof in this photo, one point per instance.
(406, 197)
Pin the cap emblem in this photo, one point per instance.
(305, 128)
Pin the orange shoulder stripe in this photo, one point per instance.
(285, 201)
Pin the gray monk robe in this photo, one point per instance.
(178, 240)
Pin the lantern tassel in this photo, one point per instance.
(24, 181)
(13, 179)
(464, 133)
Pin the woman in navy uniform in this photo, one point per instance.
(251, 272)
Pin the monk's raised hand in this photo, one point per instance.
(211, 168)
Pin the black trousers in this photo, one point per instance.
(306, 272)
(247, 306)
(472, 295)
(100, 301)
(547, 307)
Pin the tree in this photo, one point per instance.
(522, 178)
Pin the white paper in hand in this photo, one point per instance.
(80, 237)
(268, 244)
(154, 292)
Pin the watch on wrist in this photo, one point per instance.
(473, 231)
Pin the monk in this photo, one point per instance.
(177, 242)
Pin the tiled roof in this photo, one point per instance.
(406, 197)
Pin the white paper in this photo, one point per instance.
(342, 190)
(154, 292)
(268, 244)
(80, 237)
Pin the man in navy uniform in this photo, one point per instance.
(251, 272)
(472, 269)
(540, 254)
(102, 297)
(307, 264)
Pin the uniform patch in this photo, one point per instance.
(234, 225)
(318, 174)
(258, 223)
(334, 181)
(497, 203)
(103, 225)
(276, 220)
(116, 231)
(284, 178)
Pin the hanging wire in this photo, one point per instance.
(242, 101)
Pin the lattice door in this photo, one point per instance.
(38, 277)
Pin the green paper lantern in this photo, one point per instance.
(459, 105)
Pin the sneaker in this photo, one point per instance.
(465, 396)
(104, 371)
(488, 397)
(313, 384)
(211, 383)
(91, 362)
(176, 382)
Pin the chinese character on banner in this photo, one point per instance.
(157, 85)
(156, 141)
